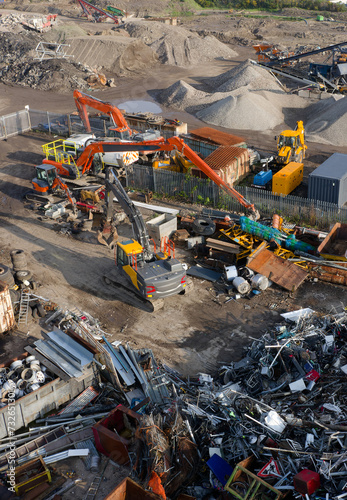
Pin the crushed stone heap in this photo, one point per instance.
(177, 46)
(248, 111)
(327, 121)
(245, 74)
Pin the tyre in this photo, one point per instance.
(15, 295)
(6, 275)
(205, 227)
(41, 311)
(23, 276)
(35, 313)
(19, 260)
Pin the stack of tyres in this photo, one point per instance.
(20, 267)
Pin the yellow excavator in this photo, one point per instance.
(291, 145)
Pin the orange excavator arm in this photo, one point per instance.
(84, 100)
(170, 144)
(58, 182)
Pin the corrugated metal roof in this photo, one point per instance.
(216, 136)
(224, 156)
(334, 167)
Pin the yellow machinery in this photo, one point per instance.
(176, 163)
(291, 145)
(288, 178)
(153, 275)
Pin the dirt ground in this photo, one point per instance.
(192, 333)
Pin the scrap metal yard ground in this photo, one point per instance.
(191, 333)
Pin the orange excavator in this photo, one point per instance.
(121, 131)
(47, 182)
(169, 144)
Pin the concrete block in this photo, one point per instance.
(161, 226)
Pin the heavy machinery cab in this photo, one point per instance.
(129, 252)
(287, 141)
(123, 135)
(45, 177)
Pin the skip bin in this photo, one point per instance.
(129, 490)
(288, 178)
(334, 245)
(114, 432)
(7, 320)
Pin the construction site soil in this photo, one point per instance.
(192, 333)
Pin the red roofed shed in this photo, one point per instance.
(230, 163)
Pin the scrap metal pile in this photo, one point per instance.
(274, 422)
(243, 257)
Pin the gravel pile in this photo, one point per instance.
(327, 121)
(242, 75)
(177, 46)
(183, 96)
(246, 111)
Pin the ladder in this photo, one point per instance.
(23, 308)
(95, 484)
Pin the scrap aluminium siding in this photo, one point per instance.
(329, 181)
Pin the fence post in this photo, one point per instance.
(28, 115)
(4, 126)
(69, 123)
(48, 122)
(154, 180)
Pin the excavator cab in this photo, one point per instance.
(45, 177)
(123, 135)
(129, 257)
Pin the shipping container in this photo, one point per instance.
(329, 181)
(7, 321)
(288, 178)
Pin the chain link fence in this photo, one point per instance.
(14, 123)
(203, 191)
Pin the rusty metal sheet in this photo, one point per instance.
(7, 320)
(286, 274)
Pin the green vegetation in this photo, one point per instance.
(272, 5)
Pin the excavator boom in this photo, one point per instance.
(133, 213)
(170, 144)
(84, 100)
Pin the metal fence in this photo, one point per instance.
(203, 191)
(14, 124)
(173, 184)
